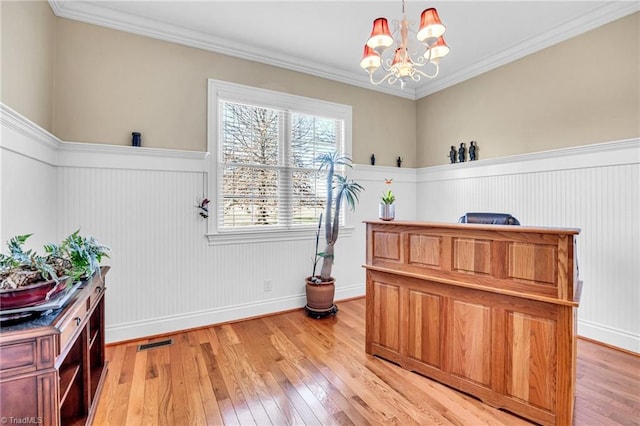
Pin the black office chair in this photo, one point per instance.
(489, 219)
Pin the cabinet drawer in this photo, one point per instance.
(94, 295)
(68, 330)
(18, 355)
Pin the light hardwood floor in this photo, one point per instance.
(291, 369)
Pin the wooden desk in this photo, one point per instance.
(487, 309)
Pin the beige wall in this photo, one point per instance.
(582, 91)
(110, 83)
(91, 84)
(27, 31)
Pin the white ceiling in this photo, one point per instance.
(325, 38)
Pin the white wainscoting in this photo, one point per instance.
(595, 188)
(27, 181)
(165, 276)
(141, 202)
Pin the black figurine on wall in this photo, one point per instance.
(461, 153)
(136, 138)
(452, 155)
(472, 151)
(399, 161)
(373, 159)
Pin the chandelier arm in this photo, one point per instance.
(388, 76)
(430, 76)
(420, 61)
(386, 65)
(429, 51)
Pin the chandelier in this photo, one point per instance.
(405, 64)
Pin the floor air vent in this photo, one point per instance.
(157, 344)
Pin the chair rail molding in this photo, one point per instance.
(24, 137)
(19, 134)
(615, 153)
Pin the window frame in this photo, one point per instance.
(233, 92)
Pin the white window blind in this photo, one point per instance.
(267, 146)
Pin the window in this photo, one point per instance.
(264, 173)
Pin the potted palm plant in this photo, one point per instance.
(320, 289)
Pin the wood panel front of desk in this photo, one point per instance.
(487, 309)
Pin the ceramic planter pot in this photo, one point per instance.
(387, 211)
(320, 296)
(30, 295)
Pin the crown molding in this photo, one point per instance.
(95, 14)
(100, 15)
(572, 28)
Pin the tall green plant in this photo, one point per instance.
(345, 190)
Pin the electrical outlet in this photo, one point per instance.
(268, 285)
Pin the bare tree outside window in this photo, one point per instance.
(269, 165)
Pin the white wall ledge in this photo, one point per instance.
(55, 152)
(594, 155)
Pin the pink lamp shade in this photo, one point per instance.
(380, 37)
(430, 25)
(371, 61)
(439, 49)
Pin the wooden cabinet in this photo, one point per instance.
(52, 367)
(489, 310)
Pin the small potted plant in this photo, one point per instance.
(387, 210)
(320, 289)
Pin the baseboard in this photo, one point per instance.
(608, 346)
(610, 336)
(175, 323)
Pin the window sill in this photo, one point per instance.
(253, 236)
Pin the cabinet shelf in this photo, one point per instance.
(67, 376)
(94, 336)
